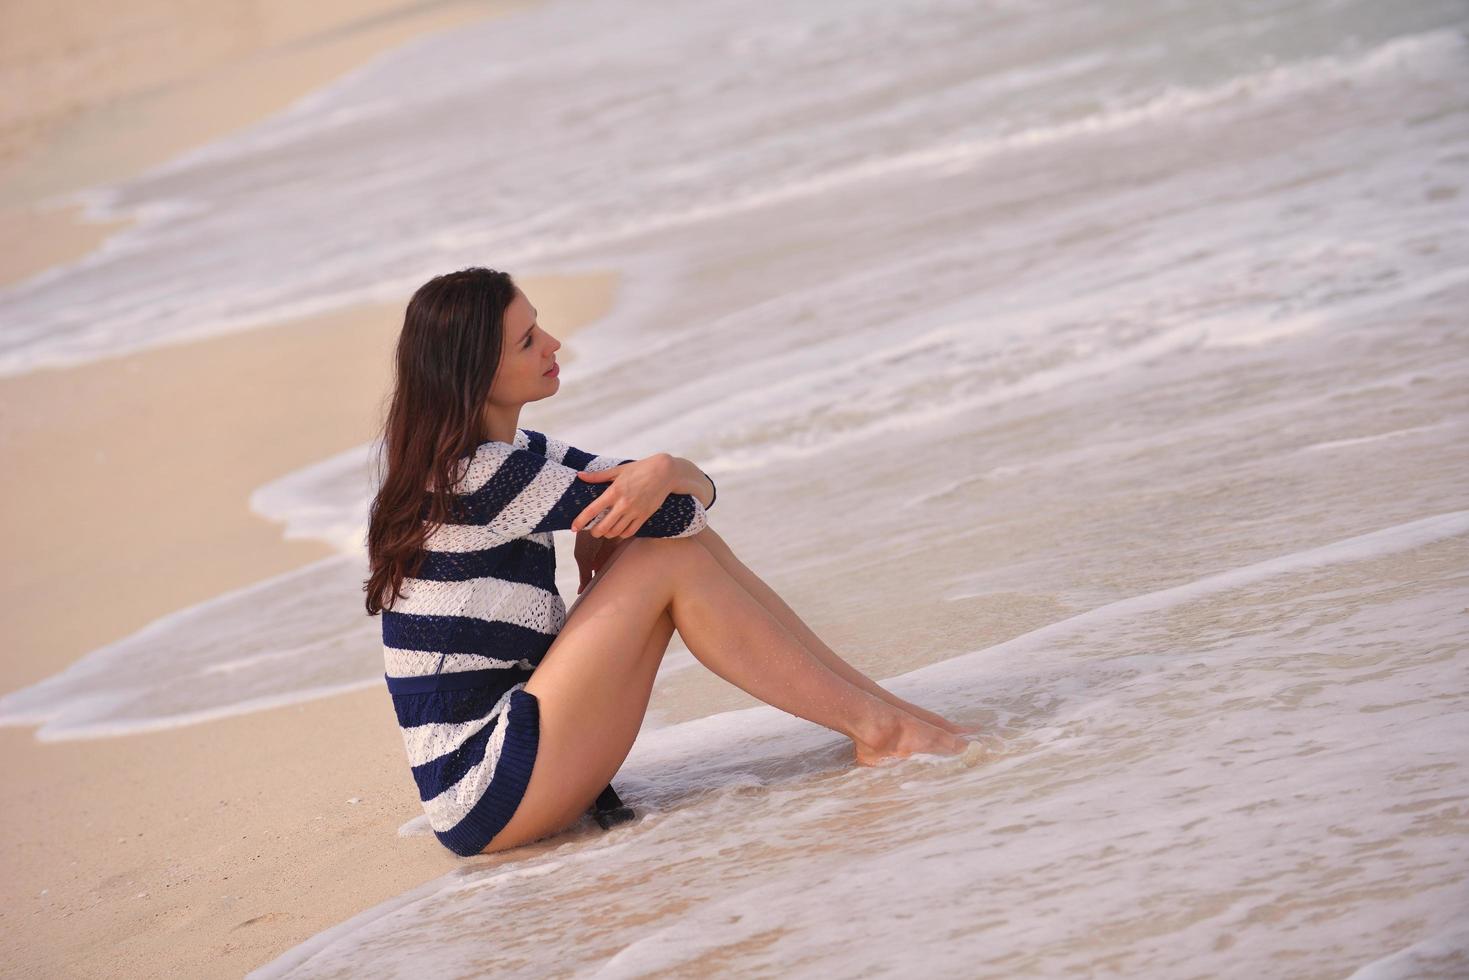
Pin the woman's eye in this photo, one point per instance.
(527, 339)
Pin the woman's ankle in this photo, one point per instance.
(880, 725)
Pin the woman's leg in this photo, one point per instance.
(596, 678)
(777, 607)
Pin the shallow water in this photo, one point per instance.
(1252, 774)
(1098, 376)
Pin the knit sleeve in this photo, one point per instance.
(580, 459)
(515, 492)
(560, 451)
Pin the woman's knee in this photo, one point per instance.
(709, 539)
(666, 557)
(665, 545)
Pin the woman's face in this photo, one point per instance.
(527, 352)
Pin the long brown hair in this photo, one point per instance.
(446, 360)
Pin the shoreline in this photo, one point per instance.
(136, 100)
(211, 847)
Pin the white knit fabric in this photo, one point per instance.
(492, 576)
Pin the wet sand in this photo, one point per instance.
(210, 849)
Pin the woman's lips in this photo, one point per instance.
(555, 370)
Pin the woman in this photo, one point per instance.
(515, 711)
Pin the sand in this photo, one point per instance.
(210, 849)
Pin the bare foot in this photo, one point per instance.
(955, 728)
(908, 736)
(939, 721)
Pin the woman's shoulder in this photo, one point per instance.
(536, 442)
(494, 449)
(489, 456)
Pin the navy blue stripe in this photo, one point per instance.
(494, 809)
(671, 519)
(454, 707)
(577, 459)
(454, 680)
(516, 472)
(536, 442)
(570, 505)
(521, 468)
(463, 634)
(437, 775)
(521, 560)
(580, 459)
(447, 707)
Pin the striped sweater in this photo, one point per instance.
(468, 630)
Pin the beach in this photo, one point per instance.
(1096, 378)
(209, 849)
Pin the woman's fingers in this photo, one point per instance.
(622, 522)
(589, 514)
(631, 527)
(607, 526)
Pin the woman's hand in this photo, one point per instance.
(640, 489)
(591, 554)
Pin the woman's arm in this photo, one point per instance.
(508, 493)
(689, 479)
